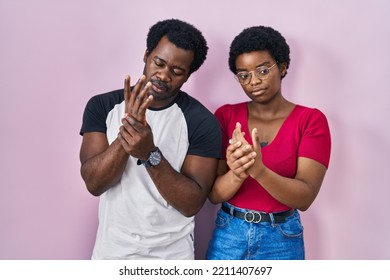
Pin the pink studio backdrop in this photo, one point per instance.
(54, 55)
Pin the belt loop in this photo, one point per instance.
(230, 207)
(272, 219)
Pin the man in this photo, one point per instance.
(151, 152)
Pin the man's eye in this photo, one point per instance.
(158, 63)
(177, 72)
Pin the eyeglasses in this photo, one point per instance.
(261, 72)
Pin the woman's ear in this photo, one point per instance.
(283, 69)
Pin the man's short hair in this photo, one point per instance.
(183, 35)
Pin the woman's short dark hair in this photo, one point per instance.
(259, 38)
(181, 34)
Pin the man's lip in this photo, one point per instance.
(157, 87)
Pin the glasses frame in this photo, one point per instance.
(256, 72)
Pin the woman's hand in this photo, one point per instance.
(240, 156)
(258, 167)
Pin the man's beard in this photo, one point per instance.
(166, 94)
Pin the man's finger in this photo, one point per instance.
(134, 93)
(140, 99)
(127, 93)
(142, 110)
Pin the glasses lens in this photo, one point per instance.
(262, 72)
(243, 77)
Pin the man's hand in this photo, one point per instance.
(137, 100)
(136, 138)
(135, 134)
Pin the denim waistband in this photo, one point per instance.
(252, 216)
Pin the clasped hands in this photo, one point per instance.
(135, 134)
(242, 158)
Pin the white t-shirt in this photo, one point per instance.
(135, 221)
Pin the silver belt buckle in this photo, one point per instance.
(252, 217)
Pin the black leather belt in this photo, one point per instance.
(251, 216)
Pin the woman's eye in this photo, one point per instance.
(243, 75)
(264, 71)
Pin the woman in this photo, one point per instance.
(276, 156)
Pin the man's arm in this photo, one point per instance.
(185, 191)
(102, 164)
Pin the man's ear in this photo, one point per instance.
(146, 55)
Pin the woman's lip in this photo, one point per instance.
(258, 91)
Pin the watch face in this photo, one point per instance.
(155, 158)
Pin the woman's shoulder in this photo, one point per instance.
(302, 111)
(306, 117)
(232, 107)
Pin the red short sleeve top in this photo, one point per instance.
(304, 133)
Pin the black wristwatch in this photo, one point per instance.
(153, 160)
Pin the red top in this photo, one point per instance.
(304, 133)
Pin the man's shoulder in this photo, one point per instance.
(114, 96)
(105, 102)
(98, 108)
(191, 105)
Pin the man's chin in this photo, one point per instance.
(156, 96)
(162, 96)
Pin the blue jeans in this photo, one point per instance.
(236, 239)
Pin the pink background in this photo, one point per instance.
(54, 55)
